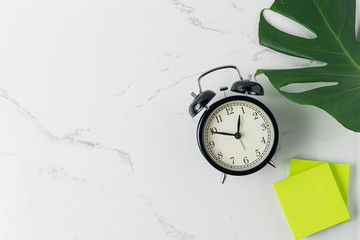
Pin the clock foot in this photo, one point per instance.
(224, 176)
(271, 163)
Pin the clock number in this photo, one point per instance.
(218, 119)
(246, 160)
(257, 152)
(233, 160)
(242, 108)
(263, 126)
(263, 140)
(211, 144)
(230, 110)
(255, 114)
(220, 155)
(213, 130)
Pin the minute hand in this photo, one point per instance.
(238, 125)
(224, 133)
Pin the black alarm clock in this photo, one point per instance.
(238, 135)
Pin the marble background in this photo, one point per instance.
(95, 137)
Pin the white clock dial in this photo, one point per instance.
(238, 149)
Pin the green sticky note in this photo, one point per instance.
(311, 201)
(340, 172)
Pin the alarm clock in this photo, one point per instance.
(237, 135)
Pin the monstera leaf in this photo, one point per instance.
(333, 22)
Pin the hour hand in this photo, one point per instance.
(223, 133)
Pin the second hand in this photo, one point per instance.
(242, 144)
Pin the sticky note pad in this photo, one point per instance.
(340, 172)
(311, 201)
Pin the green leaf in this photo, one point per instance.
(333, 21)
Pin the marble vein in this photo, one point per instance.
(158, 91)
(235, 6)
(124, 91)
(53, 170)
(58, 172)
(67, 139)
(169, 228)
(170, 59)
(279, 147)
(259, 55)
(238, 50)
(283, 134)
(190, 12)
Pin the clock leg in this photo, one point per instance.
(271, 163)
(224, 176)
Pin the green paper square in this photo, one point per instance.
(311, 201)
(340, 172)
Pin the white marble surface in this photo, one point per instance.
(96, 141)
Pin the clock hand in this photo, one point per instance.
(223, 133)
(238, 134)
(238, 125)
(242, 144)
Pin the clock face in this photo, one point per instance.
(238, 135)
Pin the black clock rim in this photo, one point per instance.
(200, 139)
